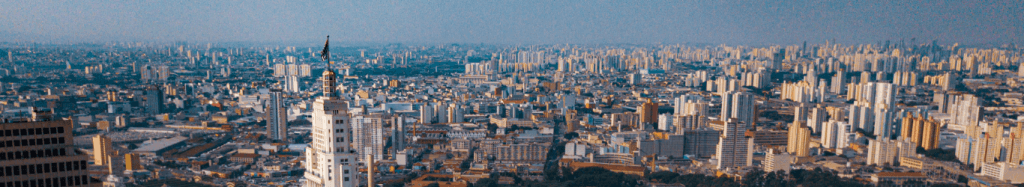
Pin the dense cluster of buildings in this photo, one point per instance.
(135, 113)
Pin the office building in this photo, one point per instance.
(701, 142)
(276, 116)
(51, 158)
(330, 162)
(154, 100)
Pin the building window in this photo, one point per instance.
(346, 178)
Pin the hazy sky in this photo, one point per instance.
(513, 22)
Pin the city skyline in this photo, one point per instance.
(650, 22)
(520, 93)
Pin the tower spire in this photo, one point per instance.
(329, 77)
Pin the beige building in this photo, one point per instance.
(101, 149)
(330, 160)
(799, 139)
(132, 162)
(775, 160)
(40, 152)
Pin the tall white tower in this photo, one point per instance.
(330, 161)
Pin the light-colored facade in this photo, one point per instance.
(101, 149)
(739, 105)
(799, 139)
(775, 160)
(881, 152)
(330, 161)
(734, 148)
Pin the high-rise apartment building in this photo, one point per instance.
(739, 105)
(817, 119)
(689, 105)
(835, 134)
(799, 139)
(882, 151)
(734, 148)
(40, 151)
(924, 132)
(397, 134)
(648, 112)
(368, 134)
(427, 113)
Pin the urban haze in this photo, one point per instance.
(511, 93)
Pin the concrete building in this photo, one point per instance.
(835, 134)
(102, 148)
(132, 162)
(62, 165)
(648, 112)
(921, 131)
(881, 152)
(701, 142)
(330, 162)
(276, 116)
(1008, 172)
(368, 134)
(734, 148)
(799, 139)
(775, 160)
(739, 105)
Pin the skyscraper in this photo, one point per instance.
(277, 116)
(330, 162)
(734, 148)
(397, 134)
(154, 100)
(739, 105)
